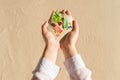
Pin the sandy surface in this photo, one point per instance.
(21, 42)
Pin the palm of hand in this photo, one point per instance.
(49, 38)
(68, 40)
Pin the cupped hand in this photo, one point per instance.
(71, 37)
(49, 38)
(52, 45)
(67, 43)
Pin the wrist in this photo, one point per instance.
(50, 52)
(53, 45)
(69, 51)
(68, 47)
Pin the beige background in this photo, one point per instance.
(21, 42)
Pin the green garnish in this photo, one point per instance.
(57, 17)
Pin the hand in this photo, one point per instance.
(68, 42)
(49, 38)
(52, 45)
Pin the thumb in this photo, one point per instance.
(44, 27)
(75, 26)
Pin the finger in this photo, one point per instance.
(68, 12)
(44, 27)
(75, 26)
(63, 11)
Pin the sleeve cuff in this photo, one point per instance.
(74, 63)
(48, 68)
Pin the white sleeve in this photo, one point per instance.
(47, 70)
(76, 68)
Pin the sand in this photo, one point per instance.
(21, 43)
